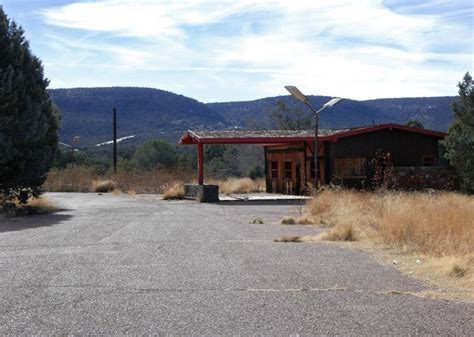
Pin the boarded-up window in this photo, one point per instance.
(274, 170)
(354, 167)
(288, 169)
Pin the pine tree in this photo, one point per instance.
(415, 124)
(28, 119)
(460, 141)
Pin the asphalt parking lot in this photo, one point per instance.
(135, 265)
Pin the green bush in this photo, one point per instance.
(154, 153)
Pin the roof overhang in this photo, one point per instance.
(192, 137)
(279, 137)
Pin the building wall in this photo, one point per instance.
(301, 157)
(285, 168)
(348, 156)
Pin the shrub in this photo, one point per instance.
(256, 172)
(176, 191)
(103, 186)
(288, 220)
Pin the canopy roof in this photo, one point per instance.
(288, 136)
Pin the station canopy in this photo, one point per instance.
(286, 136)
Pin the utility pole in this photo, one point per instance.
(115, 139)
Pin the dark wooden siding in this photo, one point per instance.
(406, 148)
(294, 156)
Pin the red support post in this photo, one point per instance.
(200, 164)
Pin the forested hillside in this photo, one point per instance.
(146, 113)
(434, 112)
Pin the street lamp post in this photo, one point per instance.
(294, 91)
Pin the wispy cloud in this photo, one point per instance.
(247, 49)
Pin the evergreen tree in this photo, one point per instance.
(460, 141)
(28, 119)
(286, 118)
(154, 153)
(415, 124)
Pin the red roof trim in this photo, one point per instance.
(192, 138)
(383, 127)
(189, 138)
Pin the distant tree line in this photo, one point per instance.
(220, 160)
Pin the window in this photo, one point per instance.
(274, 169)
(354, 167)
(288, 169)
(429, 160)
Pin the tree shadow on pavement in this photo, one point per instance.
(13, 224)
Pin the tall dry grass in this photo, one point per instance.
(430, 234)
(158, 181)
(429, 223)
(103, 186)
(70, 179)
(175, 192)
(85, 179)
(240, 185)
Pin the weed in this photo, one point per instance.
(103, 186)
(176, 191)
(288, 220)
(289, 238)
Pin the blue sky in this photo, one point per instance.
(240, 50)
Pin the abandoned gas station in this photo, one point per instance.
(343, 155)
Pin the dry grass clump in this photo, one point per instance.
(301, 220)
(430, 234)
(33, 206)
(289, 238)
(288, 220)
(42, 205)
(241, 185)
(176, 191)
(344, 232)
(70, 179)
(438, 226)
(103, 186)
(430, 223)
(304, 220)
(458, 270)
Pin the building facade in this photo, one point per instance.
(344, 156)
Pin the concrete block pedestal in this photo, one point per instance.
(202, 193)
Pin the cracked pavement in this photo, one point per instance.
(117, 264)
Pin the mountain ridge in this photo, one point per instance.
(148, 112)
